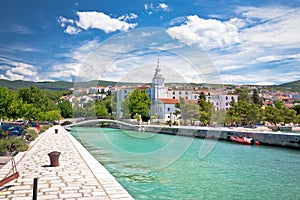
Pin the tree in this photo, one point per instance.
(205, 109)
(288, 115)
(30, 112)
(255, 98)
(66, 109)
(242, 113)
(243, 94)
(6, 99)
(218, 117)
(189, 111)
(279, 104)
(125, 108)
(101, 110)
(15, 109)
(51, 116)
(36, 97)
(297, 109)
(272, 115)
(138, 103)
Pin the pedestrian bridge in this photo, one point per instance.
(120, 124)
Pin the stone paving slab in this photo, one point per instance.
(78, 176)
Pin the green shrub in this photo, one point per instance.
(44, 128)
(12, 145)
(3, 134)
(65, 123)
(31, 134)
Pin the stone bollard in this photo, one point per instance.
(56, 131)
(54, 157)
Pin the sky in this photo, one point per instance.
(221, 41)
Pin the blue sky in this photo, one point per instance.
(235, 42)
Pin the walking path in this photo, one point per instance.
(78, 176)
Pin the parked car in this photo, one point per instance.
(15, 131)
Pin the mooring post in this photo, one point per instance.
(35, 183)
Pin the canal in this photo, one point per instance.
(158, 166)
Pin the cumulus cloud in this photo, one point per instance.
(207, 33)
(15, 70)
(64, 21)
(97, 20)
(163, 6)
(128, 17)
(257, 41)
(150, 8)
(72, 30)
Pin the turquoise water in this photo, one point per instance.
(156, 166)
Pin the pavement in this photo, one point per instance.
(78, 176)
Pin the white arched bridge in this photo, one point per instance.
(117, 122)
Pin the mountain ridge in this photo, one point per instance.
(65, 85)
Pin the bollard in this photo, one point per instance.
(56, 131)
(54, 156)
(34, 193)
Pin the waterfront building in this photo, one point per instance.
(222, 101)
(164, 98)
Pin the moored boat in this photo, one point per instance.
(244, 140)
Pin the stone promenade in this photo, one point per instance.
(78, 176)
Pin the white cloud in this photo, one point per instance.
(256, 42)
(207, 34)
(15, 70)
(128, 17)
(102, 21)
(64, 21)
(24, 69)
(97, 20)
(72, 30)
(164, 6)
(261, 12)
(270, 58)
(150, 8)
(11, 76)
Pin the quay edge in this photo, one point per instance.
(278, 139)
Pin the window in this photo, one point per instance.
(169, 109)
(186, 92)
(179, 93)
(186, 97)
(125, 91)
(173, 93)
(227, 104)
(232, 99)
(173, 97)
(226, 97)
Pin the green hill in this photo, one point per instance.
(293, 86)
(59, 85)
(64, 85)
(55, 85)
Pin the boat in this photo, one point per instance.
(244, 140)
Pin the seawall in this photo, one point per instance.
(280, 139)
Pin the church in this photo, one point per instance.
(164, 99)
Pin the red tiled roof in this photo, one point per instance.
(289, 105)
(267, 103)
(169, 101)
